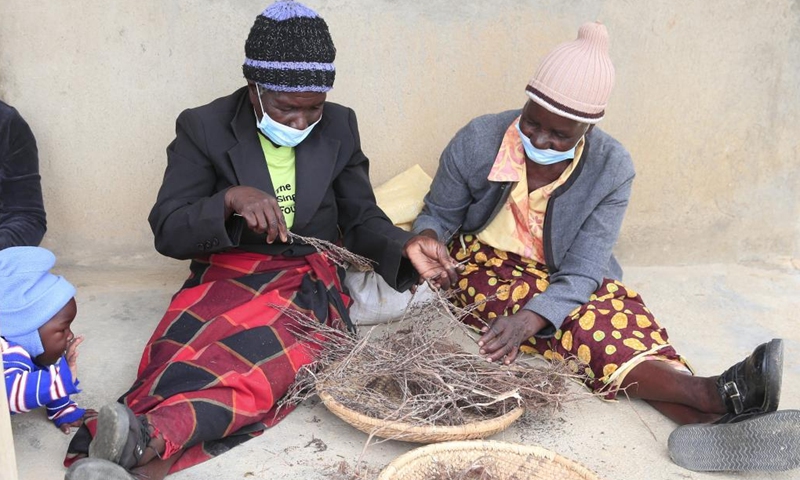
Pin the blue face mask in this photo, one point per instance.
(279, 133)
(544, 157)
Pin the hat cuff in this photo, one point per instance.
(266, 64)
(283, 88)
(561, 109)
(292, 77)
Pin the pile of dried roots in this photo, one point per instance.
(419, 376)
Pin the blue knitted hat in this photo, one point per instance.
(290, 49)
(29, 295)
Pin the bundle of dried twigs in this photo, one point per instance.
(338, 255)
(418, 376)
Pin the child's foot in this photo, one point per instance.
(121, 437)
(96, 469)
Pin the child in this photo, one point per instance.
(39, 349)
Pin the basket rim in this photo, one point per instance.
(379, 425)
(484, 446)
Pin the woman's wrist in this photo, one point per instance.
(430, 233)
(534, 321)
(228, 200)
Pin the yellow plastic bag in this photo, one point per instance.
(401, 197)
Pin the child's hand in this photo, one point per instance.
(66, 427)
(72, 356)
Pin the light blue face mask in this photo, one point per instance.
(279, 133)
(544, 157)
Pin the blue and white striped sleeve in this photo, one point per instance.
(29, 386)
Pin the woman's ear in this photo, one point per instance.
(252, 94)
(252, 91)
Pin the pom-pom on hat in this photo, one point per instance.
(29, 295)
(290, 49)
(575, 79)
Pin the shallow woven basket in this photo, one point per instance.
(503, 461)
(419, 434)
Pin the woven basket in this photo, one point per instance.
(419, 434)
(501, 461)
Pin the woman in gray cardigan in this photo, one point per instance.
(537, 198)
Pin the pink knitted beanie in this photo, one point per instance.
(575, 79)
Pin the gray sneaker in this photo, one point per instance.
(96, 469)
(121, 436)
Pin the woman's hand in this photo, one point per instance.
(259, 209)
(432, 261)
(504, 336)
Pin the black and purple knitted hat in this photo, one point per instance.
(290, 49)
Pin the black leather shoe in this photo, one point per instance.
(753, 386)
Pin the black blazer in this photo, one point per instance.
(217, 147)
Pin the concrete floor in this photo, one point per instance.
(715, 314)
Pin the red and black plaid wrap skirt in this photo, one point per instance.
(223, 355)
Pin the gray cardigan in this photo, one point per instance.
(582, 220)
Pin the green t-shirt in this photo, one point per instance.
(281, 164)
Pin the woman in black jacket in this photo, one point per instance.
(244, 172)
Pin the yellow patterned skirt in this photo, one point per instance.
(602, 339)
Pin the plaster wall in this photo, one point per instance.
(706, 101)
